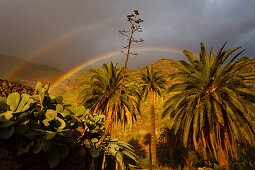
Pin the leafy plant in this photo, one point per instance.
(45, 129)
(100, 94)
(211, 102)
(152, 83)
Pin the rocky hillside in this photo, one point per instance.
(7, 87)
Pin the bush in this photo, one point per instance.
(40, 131)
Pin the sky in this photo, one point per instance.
(66, 33)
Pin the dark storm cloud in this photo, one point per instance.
(26, 25)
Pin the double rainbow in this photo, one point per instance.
(64, 37)
(56, 42)
(109, 55)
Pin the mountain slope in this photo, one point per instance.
(31, 74)
(140, 128)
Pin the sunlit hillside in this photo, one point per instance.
(69, 90)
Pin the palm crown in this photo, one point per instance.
(152, 81)
(100, 93)
(212, 100)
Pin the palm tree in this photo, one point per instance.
(101, 92)
(167, 135)
(152, 83)
(212, 102)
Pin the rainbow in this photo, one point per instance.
(109, 55)
(54, 43)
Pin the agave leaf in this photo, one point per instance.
(38, 115)
(41, 96)
(62, 123)
(94, 152)
(6, 133)
(50, 135)
(35, 98)
(65, 113)
(46, 122)
(80, 111)
(28, 104)
(73, 121)
(37, 148)
(112, 151)
(94, 140)
(38, 86)
(53, 158)
(51, 114)
(119, 158)
(59, 99)
(24, 101)
(59, 108)
(13, 100)
(86, 142)
(23, 150)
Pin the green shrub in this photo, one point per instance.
(40, 131)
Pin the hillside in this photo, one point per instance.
(31, 74)
(69, 88)
(141, 127)
(70, 85)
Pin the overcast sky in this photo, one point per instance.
(91, 28)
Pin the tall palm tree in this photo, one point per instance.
(152, 83)
(212, 102)
(101, 92)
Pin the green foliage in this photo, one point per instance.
(246, 159)
(212, 101)
(152, 81)
(101, 92)
(43, 126)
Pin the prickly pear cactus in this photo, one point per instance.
(43, 128)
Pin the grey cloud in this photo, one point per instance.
(29, 24)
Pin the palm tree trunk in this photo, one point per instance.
(153, 129)
(150, 152)
(222, 158)
(171, 150)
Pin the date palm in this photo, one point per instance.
(152, 83)
(212, 102)
(101, 92)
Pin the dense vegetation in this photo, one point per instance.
(208, 103)
(211, 103)
(208, 110)
(40, 132)
(101, 91)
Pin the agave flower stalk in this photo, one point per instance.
(134, 27)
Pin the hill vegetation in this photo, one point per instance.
(180, 114)
(69, 90)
